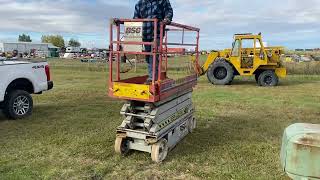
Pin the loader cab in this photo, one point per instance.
(248, 51)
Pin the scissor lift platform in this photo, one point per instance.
(135, 89)
(159, 115)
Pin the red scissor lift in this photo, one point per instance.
(159, 115)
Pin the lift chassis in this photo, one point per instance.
(157, 116)
(155, 128)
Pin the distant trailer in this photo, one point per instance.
(73, 50)
(23, 47)
(176, 51)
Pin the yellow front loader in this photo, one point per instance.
(247, 57)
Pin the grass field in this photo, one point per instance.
(72, 131)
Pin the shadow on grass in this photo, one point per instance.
(38, 111)
(214, 136)
(282, 82)
(2, 117)
(244, 82)
(295, 82)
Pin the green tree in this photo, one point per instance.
(56, 40)
(74, 43)
(24, 38)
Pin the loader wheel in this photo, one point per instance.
(220, 72)
(268, 78)
(159, 151)
(121, 146)
(256, 77)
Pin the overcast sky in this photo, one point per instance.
(291, 23)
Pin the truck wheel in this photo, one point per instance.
(220, 72)
(268, 78)
(121, 146)
(159, 151)
(18, 104)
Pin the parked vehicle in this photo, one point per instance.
(18, 80)
(248, 57)
(73, 50)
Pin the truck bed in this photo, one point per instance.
(17, 62)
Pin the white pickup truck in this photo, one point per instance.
(19, 79)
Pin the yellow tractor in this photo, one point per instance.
(247, 57)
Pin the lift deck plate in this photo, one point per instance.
(134, 91)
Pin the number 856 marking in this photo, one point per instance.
(133, 30)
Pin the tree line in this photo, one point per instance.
(56, 40)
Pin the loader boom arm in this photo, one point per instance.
(212, 57)
(202, 70)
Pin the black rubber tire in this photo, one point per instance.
(268, 78)
(220, 72)
(256, 76)
(10, 111)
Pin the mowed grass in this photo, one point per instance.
(72, 131)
